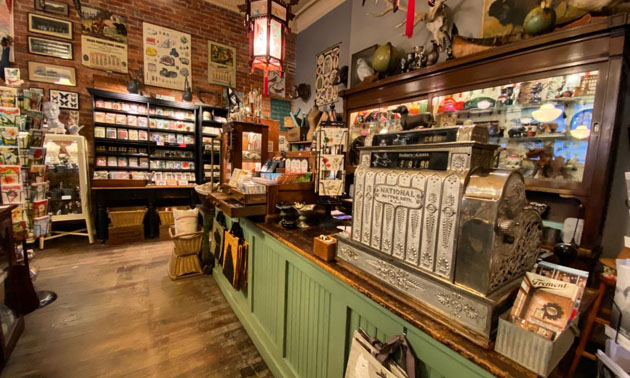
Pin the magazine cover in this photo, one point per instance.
(566, 274)
(545, 303)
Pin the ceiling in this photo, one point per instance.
(306, 11)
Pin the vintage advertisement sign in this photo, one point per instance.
(221, 64)
(103, 54)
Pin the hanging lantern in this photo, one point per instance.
(267, 23)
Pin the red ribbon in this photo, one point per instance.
(266, 85)
(411, 13)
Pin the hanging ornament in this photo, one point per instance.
(411, 14)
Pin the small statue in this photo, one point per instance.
(434, 54)
(423, 57)
(51, 111)
(363, 69)
(404, 63)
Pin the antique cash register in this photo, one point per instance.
(434, 220)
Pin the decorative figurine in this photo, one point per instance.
(434, 54)
(301, 91)
(408, 122)
(51, 112)
(363, 69)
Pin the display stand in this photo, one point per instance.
(68, 166)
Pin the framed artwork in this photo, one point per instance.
(327, 68)
(49, 47)
(6, 25)
(52, 73)
(103, 24)
(167, 57)
(221, 64)
(50, 6)
(51, 26)
(365, 54)
(104, 54)
(65, 99)
(12, 76)
(39, 91)
(276, 84)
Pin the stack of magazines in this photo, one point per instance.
(548, 299)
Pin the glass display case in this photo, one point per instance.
(384, 119)
(542, 126)
(66, 158)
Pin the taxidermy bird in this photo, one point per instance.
(410, 122)
(363, 69)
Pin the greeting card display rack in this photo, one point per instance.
(210, 122)
(149, 138)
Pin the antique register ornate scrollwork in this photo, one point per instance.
(432, 219)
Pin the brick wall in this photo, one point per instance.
(203, 21)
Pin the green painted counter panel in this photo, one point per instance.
(301, 318)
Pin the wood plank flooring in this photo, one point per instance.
(119, 315)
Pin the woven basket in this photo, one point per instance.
(186, 244)
(166, 214)
(183, 266)
(127, 216)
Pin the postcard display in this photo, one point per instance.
(435, 221)
(331, 145)
(23, 173)
(66, 158)
(141, 138)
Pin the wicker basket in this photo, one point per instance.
(186, 244)
(166, 214)
(127, 216)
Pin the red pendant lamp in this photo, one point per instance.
(267, 24)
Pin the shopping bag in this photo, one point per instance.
(369, 358)
(216, 244)
(230, 255)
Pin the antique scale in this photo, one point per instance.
(434, 220)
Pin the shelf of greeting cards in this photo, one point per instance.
(105, 110)
(172, 131)
(107, 153)
(101, 124)
(120, 168)
(174, 145)
(519, 107)
(171, 170)
(188, 159)
(157, 116)
(125, 142)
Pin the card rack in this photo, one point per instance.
(141, 134)
(210, 122)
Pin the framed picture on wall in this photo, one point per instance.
(39, 91)
(366, 55)
(65, 99)
(49, 47)
(52, 73)
(51, 6)
(54, 27)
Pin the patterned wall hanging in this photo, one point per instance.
(327, 68)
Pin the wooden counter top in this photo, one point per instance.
(419, 316)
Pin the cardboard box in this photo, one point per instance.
(125, 234)
(297, 134)
(325, 248)
(288, 123)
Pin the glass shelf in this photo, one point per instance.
(382, 119)
(542, 126)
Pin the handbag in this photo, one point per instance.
(235, 257)
(216, 244)
(369, 358)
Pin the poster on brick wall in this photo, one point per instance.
(167, 56)
(221, 64)
(103, 54)
(103, 40)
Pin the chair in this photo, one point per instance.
(184, 261)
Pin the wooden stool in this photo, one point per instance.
(605, 284)
(184, 261)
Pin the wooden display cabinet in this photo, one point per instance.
(233, 142)
(575, 69)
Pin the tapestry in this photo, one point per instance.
(327, 68)
(167, 57)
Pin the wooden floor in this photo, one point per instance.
(119, 315)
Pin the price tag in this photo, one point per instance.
(182, 144)
(68, 197)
